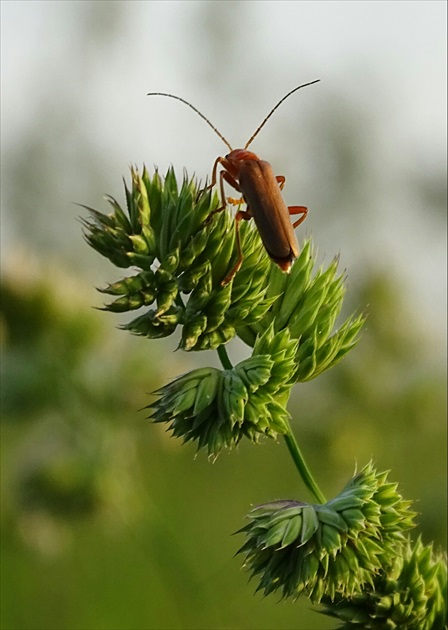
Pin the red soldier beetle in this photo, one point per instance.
(261, 189)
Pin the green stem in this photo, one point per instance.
(301, 466)
(224, 358)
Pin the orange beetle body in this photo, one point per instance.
(261, 190)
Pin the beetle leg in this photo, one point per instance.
(298, 210)
(240, 215)
(281, 181)
(230, 180)
(223, 175)
(213, 182)
(218, 161)
(246, 215)
(293, 209)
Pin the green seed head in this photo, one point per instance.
(328, 551)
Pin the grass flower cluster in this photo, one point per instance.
(410, 594)
(217, 408)
(333, 549)
(181, 253)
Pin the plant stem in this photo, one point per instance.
(224, 358)
(301, 466)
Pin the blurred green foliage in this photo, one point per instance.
(109, 523)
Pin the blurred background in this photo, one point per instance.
(106, 521)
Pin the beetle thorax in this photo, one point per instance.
(241, 154)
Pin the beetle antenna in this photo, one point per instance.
(182, 100)
(274, 108)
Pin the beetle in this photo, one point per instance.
(260, 190)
